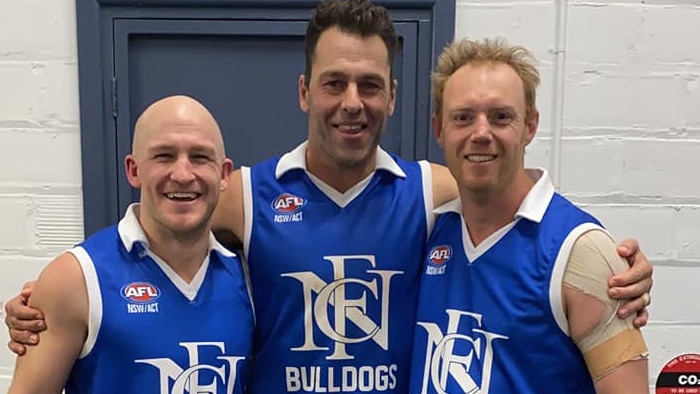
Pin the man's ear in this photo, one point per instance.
(437, 129)
(226, 170)
(531, 126)
(392, 96)
(132, 171)
(303, 93)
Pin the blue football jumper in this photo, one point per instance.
(491, 325)
(146, 336)
(334, 287)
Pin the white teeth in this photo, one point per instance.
(182, 195)
(480, 158)
(348, 127)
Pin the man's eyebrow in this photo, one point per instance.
(332, 74)
(461, 108)
(340, 74)
(505, 108)
(467, 108)
(167, 147)
(159, 147)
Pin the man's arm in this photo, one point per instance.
(614, 350)
(444, 185)
(61, 294)
(228, 215)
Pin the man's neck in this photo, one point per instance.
(487, 212)
(339, 177)
(184, 253)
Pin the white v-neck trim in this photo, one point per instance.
(296, 159)
(189, 290)
(532, 208)
(131, 233)
(474, 252)
(341, 199)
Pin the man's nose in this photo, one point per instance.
(482, 129)
(182, 171)
(352, 101)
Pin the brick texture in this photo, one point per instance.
(629, 145)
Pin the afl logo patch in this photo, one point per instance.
(141, 292)
(287, 203)
(439, 255)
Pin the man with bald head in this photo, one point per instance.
(154, 304)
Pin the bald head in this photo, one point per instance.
(171, 113)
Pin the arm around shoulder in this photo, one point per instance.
(614, 350)
(60, 293)
(444, 185)
(229, 214)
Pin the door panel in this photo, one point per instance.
(246, 72)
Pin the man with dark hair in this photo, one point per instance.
(333, 231)
(361, 18)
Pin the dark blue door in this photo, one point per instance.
(246, 72)
(242, 59)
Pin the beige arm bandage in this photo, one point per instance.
(614, 341)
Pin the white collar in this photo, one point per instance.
(296, 159)
(533, 206)
(131, 232)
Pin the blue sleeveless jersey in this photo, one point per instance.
(334, 288)
(488, 325)
(150, 337)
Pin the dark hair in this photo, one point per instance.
(359, 17)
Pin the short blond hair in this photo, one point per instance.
(490, 50)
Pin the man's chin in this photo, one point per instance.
(187, 225)
(354, 157)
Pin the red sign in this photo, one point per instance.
(680, 376)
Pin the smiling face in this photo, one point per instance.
(348, 98)
(483, 127)
(178, 163)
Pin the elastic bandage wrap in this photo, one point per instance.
(613, 342)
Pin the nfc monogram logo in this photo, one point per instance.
(344, 309)
(187, 380)
(442, 363)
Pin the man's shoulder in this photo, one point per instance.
(101, 238)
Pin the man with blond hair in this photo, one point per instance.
(513, 294)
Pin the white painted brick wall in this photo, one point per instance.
(40, 186)
(630, 148)
(629, 153)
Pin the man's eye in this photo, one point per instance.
(502, 118)
(370, 86)
(162, 156)
(333, 84)
(462, 119)
(201, 158)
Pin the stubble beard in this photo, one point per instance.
(346, 156)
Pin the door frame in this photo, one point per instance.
(98, 95)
